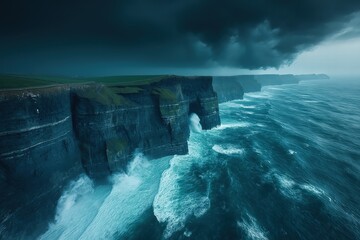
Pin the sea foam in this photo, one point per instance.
(179, 197)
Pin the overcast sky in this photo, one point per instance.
(201, 37)
(336, 58)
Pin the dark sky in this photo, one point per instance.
(113, 37)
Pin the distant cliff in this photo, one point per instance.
(49, 135)
(233, 87)
(228, 88)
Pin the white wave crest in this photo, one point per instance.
(287, 186)
(252, 228)
(233, 125)
(310, 101)
(313, 189)
(316, 191)
(228, 150)
(247, 106)
(296, 190)
(292, 152)
(258, 95)
(237, 104)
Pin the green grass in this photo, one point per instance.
(133, 80)
(21, 81)
(7, 82)
(126, 90)
(104, 95)
(165, 94)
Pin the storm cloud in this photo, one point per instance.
(165, 33)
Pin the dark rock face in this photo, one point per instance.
(249, 83)
(233, 87)
(38, 154)
(228, 88)
(154, 120)
(203, 102)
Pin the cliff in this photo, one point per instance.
(111, 122)
(233, 87)
(228, 88)
(249, 83)
(49, 135)
(38, 155)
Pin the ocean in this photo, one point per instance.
(284, 164)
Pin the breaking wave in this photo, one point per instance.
(195, 125)
(107, 211)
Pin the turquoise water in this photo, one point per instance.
(284, 164)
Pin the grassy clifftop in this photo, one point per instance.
(20, 81)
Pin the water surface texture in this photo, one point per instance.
(284, 164)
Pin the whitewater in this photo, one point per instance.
(284, 164)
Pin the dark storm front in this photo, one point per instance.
(283, 165)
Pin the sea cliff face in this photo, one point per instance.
(50, 135)
(151, 118)
(233, 87)
(38, 155)
(228, 88)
